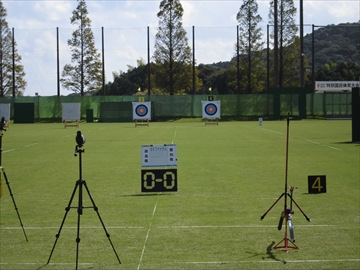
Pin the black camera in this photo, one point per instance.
(80, 139)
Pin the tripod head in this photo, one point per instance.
(80, 140)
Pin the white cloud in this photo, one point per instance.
(125, 26)
(53, 10)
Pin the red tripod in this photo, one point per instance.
(287, 212)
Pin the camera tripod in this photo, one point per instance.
(2, 124)
(80, 184)
(288, 211)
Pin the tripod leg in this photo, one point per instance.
(13, 199)
(63, 221)
(262, 217)
(102, 223)
(306, 217)
(79, 211)
(78, 239)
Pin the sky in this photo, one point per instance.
(125, 26)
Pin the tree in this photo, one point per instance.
(252, 59)
(7, 55)
(342, 71)
(85, 75)
(289, 56)
(173, 69)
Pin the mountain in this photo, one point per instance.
(334, 42)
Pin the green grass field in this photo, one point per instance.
(228, 176)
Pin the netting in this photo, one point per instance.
(247, 105)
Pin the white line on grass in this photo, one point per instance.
(237, 226)
(8, 150)
(275, 261)
(174, 135)
(272, 131)
(312, 142)
(334, 148)
(28, 145)
(49, 264)
(73, 227)
(170, 227)
(147, 234)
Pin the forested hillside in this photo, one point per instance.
(337, 58)
(334, 42)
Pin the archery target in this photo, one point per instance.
(211, 109)
(5, 111)
(141, 110)
(70, 111)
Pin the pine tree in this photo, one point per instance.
(289, 46)
(172, 53)
(6, 60)
(85, 75)
(251, 47)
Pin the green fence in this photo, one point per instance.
(232, 106)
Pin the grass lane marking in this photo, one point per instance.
(174, 135)
(147, 234)
(28, 145)
(273, 261)
(174, 227)
(73, 227)
(272, 131)
(8, 150)
(334, 148)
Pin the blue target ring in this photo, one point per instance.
(141, 110)
(210, 109)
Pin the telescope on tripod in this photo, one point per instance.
(79, 185)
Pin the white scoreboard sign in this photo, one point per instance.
(158, 155)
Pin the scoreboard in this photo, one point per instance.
(159, 168)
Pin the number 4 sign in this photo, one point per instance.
(317, 183)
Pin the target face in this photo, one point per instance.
(211, 109)
(141, 110)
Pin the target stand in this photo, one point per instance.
(211, 121)
(139, 122)
(71, 123)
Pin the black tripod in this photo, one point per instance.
(80, 184)
(287, 212)
(2, 125)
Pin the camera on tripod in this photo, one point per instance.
(80, 140)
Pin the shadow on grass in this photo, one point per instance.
(41, 267)
(145, 194)
(271, 255)
(348, 142)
